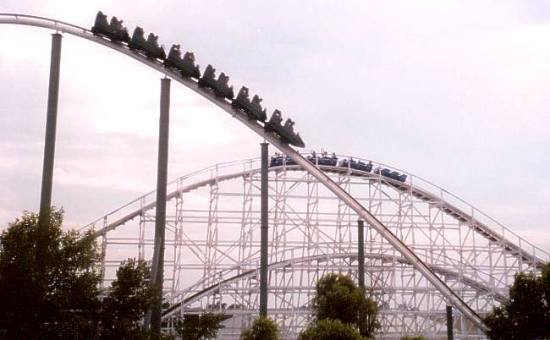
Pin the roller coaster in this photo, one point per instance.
(213, 237)
(425, 247)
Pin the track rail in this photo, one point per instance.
(421, 193)
(407, 253)
(481, 288)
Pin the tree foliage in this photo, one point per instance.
(329, 329)
(129, 298)
(337, 297)
(53, 295)
(526, 315)
(200, 327)
(49, 286)
(262, 329)
(368, 317)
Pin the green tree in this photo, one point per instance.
(53, 295)
(368, 317)
(262, 329)
(338, 298)
(526, 315)
(127, 301)
(329, 329)
(200, 327)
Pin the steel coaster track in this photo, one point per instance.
(282, 264)
(421, 193)
(408, 254)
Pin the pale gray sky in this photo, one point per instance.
(453, 91)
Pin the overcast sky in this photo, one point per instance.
(456, 92)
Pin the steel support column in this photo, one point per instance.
(361, 253)
(51, 123)
(157, 271)
(450, 322)
(264, 231)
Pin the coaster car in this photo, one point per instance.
(252, 109)
(363, 167)
(348, 163)
(114, 31)
(286, 131)
(279, 160)
(357, 165)
(101, 26)
(220, 86)
(276, 160)
(391, 174)
(397, 176)
(186, 66)
(326, 160)
(208, 78)
(149, 47)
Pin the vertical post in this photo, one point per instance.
(361, 253)
(361, 267)
(264, 233)
(51, 123)
(157, 271)
(450, 322)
